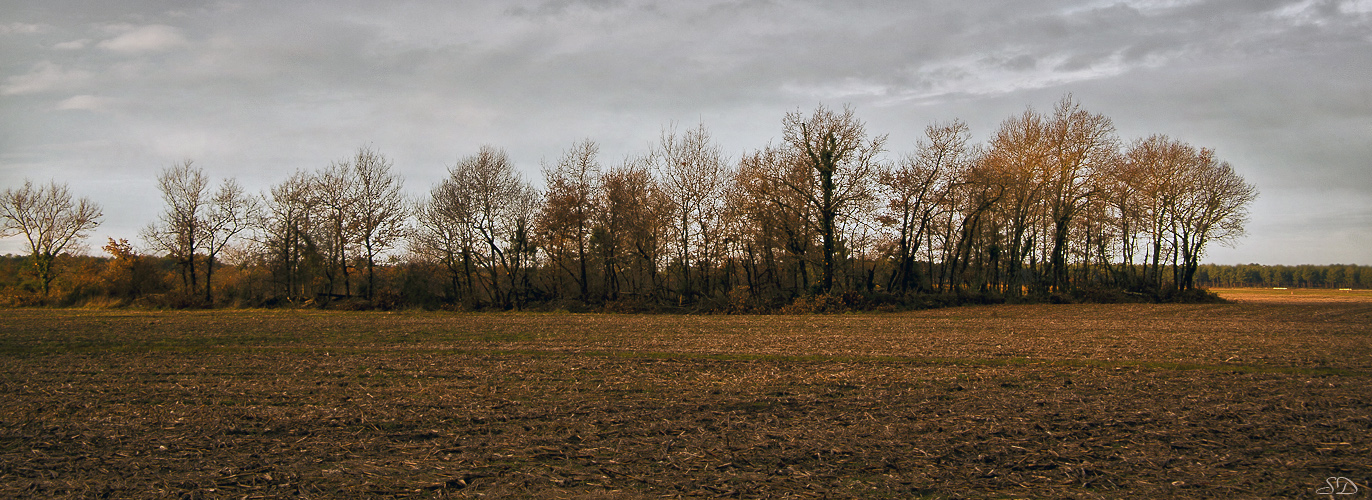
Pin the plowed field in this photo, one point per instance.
(1268, 397)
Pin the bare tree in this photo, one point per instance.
(380, 210)
(694, 175)
(1016, 159)
(607, 237)
(288, 228)
(629, 227)
(1082, 145)
(914, 191)
(640, 208)
(445, 234)
(50, 221)
(566, 220)
(1215, 208)
(522, 216)
(1154, 174)
(179, 228)
(335, 192)
(1051, 167)
(229, 212)
(974, 195)
(843, 163)
(197, 220)
(485, 195)
(778, 218)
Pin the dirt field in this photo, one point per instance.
(1264, 398)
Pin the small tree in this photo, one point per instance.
(49, 221)
(129, 274)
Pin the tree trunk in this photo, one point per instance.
(827, 216)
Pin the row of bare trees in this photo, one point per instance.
(1053, 203)
(317, 230)
(313, 234)
(1056, 202)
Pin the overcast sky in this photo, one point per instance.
(102, 95)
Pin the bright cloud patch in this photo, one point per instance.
(151, 38)
(24, 29)
(1356, 7)
(995, 74)
(45, 76)
(85, 102)
(848, 88)
(72, 45)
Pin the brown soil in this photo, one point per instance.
(1247, 400)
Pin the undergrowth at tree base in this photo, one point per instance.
(734, 303)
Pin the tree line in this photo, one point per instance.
(1053, 205)
(1302, 276)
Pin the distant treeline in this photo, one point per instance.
(1304, 276)
(1053, 207)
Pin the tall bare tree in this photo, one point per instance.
(567, 216)
(1017, 159)
(913, 193)
(843, 163)
(336, 198)
(775, 219)
(229, 212)
(972, 199)
(444, 233)
(522, 215)
(611, 220)
(179, 228)
(380, 210)
(50, 221)
(630, 232)
(694, 174)
(487, 196)
(288, 229)
(1214, 209)
(1154, 175)
(1082, 145)
(196, 220)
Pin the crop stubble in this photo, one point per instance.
(1256, 399)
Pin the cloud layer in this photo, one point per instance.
(103, 95)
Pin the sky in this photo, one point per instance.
(103, 95)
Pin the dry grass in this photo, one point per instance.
(1295, 295)
(1262, 398)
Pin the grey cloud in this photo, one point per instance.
(72, 44)
(19, 28)
(138, 39)
(257, 89)
(43, 77)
